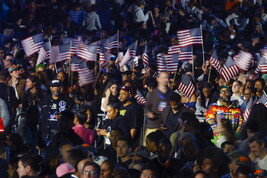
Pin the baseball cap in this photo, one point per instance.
(12, 68)
(63, 169)
(224, 86)
(55, 83)
(126, 88)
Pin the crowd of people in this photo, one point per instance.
(133, 120)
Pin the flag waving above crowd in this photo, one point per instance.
(32, 44)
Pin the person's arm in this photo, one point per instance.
(133, 132)
(98, 24)
(104, 101)
(4, 113)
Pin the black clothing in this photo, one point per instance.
(49, 108)
(8, 94)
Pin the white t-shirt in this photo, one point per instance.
(261, 163)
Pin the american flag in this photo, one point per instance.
(243, 60)
(60, 53)
(263, 100)
(145, 57)
(174, 49)
(74, 64)
(32, 44)
(130, 53)
(229, 69)
(104, 57)
(189, 37)
(44, 53)
(76, 43)
(161, 63)
(171, 61)
(112, 42)
(186, 86)
(87, 52)
(214, 61)
(86, 76)
(248, 109)
(262, 66)
(140, 98)
(186, 54)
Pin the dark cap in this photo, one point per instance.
(55, 83)
(126, 88)
(142, 151)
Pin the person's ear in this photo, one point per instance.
(28, 168)
(116, 111)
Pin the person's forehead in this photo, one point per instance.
(122, 143)
(89, 168)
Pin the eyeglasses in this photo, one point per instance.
(90, 173)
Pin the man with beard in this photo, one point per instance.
(129, 111)
(225, 95)
(51, 106)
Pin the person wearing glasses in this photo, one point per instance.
(91, 170)
(225, 95)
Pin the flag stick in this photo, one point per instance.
(118, 38)
(55, 65)
(209, 74)
(193, 67)
(152, 18)
(203, 55)
(136, 42)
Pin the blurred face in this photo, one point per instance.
(114, 137)
(187, 148)
(174, 105)
(55, 90)
(89, 115)
(2, 54)
(228, 148)
(258, 86)
(22, 171)
(65, 149)
(206, 92)
(247, 94)
(29, 84)
(207, 166)
(122, 149)
(163, 151)
(105, 171)
(15, 74)
(89, 171)
(114, 89)
(163, 79)
(221, 82)
(124, 96)
(236, 87)
(225, 94)
(147, 174)
(111, 112)
(61, 76)
(150, 145)
(256, 148)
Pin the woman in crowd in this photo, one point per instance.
(34, 94)
(204, 100)
(110, 95)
